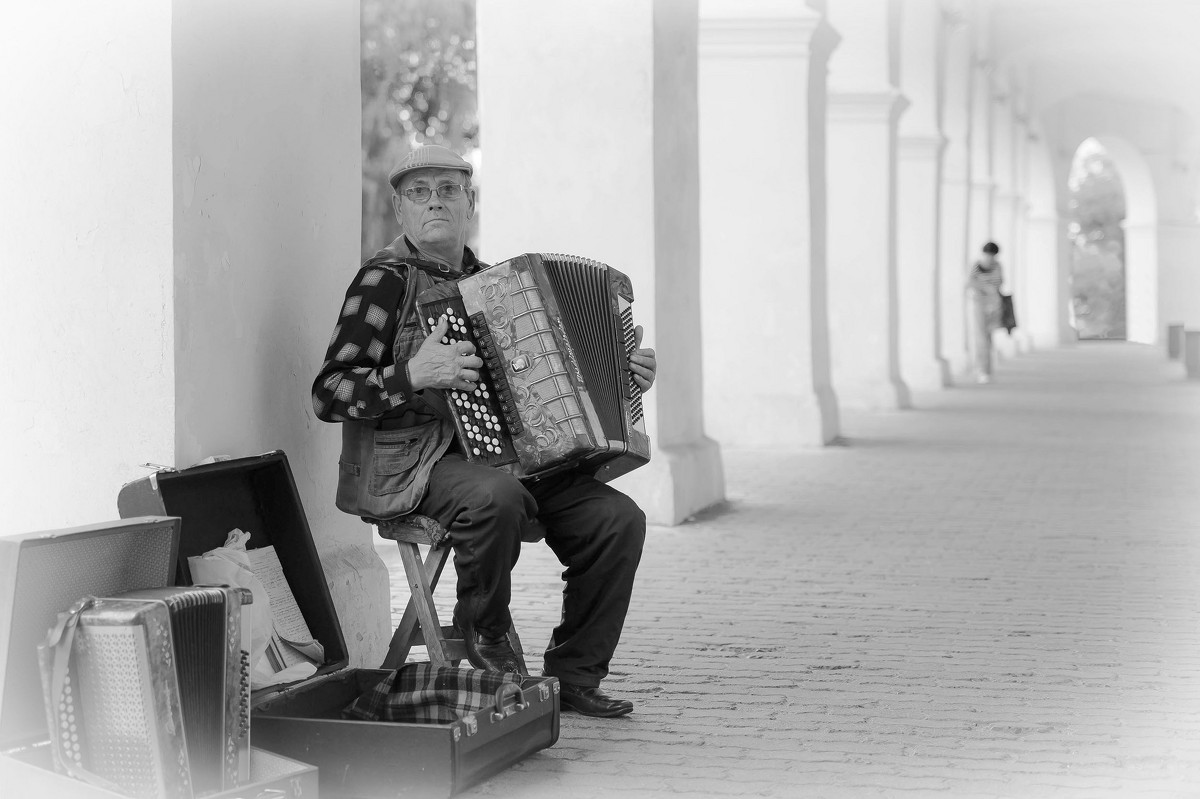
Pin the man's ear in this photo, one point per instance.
(471, 202)
(396, 207)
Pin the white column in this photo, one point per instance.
(612, 174)
(762, 224)
(864, 106)
(956, 195)
(919, 174)
(86, 321)
(1141, 281)
(1022, 298)
(267, 212)
(983, 187)
(1179, 279)
(1005, 200)
(1045, 315)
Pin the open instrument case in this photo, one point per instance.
(359, 759)
(41, 575)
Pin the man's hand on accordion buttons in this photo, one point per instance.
(444, 366)
(642, 362)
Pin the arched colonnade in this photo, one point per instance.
(851, 157)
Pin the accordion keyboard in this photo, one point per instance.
(487, 416)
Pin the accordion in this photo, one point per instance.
(555, 333)
(148, 693)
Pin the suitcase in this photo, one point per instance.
(41, 575)
(356, 759)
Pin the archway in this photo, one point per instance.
(1096, 207)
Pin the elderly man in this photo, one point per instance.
(374, 378)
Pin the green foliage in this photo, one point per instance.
(1097, 209)
(418, 87)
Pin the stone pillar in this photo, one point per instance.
(954, 248)
(85, 198)
(1004, 200)
(983, 187)
(864, 107)
(620, 186)
(1178, 277)
(1142, 289)
(1047, 251)
(268, 183)
(1021, 293)
(919, 175)
(759, 54)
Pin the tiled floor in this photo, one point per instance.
(993, 594)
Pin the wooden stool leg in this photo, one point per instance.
(421, 603)
(408, 632)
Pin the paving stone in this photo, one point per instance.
(992, 595)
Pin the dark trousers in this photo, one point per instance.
(596, 532)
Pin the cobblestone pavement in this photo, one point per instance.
(993, 595)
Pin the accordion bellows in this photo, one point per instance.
(148, 692)
(555, 333)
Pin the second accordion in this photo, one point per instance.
(555, 333)
(148, 693)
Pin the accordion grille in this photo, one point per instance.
(584, 299)
(121, 748)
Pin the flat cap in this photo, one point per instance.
(431, 155)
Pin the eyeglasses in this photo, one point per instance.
(447, 191)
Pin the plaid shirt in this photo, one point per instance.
(359, 379)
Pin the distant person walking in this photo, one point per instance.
(983, 297)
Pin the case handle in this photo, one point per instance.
(502, 693)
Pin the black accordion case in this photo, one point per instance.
(303, 720)
(555, 333)
(119, 723)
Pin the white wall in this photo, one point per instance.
(86, 328)
(267, 220)
(267, 179)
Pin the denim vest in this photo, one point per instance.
(384, 468)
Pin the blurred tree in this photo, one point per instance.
(1097, 209)
(418, 87)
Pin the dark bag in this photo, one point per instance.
(424, 693)
(1008, 316)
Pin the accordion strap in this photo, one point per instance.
(60, 641)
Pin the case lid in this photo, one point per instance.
(257, 495)
(42, 574)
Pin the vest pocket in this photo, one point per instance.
(393, 471)
(397, 456)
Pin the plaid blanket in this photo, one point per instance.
(423, 693)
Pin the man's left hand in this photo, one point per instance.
(642, 362)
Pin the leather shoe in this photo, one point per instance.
(588, 701)
(488, 655)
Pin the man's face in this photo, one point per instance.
(437, 221)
